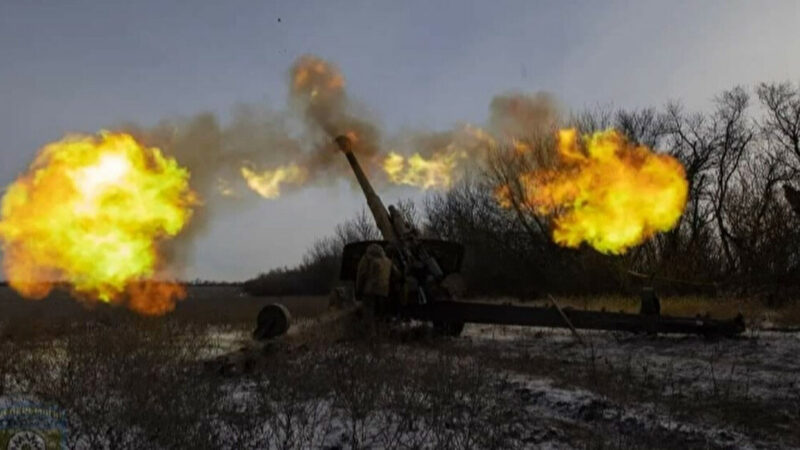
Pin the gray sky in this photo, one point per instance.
(82, 65)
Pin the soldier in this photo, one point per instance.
(373, 282)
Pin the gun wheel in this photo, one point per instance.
(273, 321)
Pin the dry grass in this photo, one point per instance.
(131, 382)
(203, 305)
(139, 385)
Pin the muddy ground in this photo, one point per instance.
(614, 390)
(128, 382)
(671, 391)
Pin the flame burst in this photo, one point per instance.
(316, 78)
(89, 214)
(444, 164)
(605, 191)
(268, 182)
(434, 172)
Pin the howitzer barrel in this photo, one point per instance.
(379, 212)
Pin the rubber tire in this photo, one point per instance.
(273, 321)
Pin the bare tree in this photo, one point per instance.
(732, 138)
(645, 126)
(782, 122)
(598, 118)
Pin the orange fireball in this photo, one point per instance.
(89, 214)
(316, 79)
(605, 191)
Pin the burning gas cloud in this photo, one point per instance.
(438, 160)
(437, 171)
(259, 151)
(268, 182)
(90, 214)
(106, 215)
(264, 152)
(317, 93)
(605, 191)
(426, 160)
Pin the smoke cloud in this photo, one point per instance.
(260, 152)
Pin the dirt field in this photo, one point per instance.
(130, 382)
(226, 304)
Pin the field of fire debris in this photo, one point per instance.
(123, 381)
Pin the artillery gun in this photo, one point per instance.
(427, 287)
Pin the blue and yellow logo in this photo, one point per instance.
(31, 426)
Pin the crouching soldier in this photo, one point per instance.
(373, 278)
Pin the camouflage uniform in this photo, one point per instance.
(373, 281)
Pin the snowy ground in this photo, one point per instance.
(728, 393)
(136, 383)
(617, 390)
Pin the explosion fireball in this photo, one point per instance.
(89, 215)
(605, 191)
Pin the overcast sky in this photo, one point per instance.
(84, 65)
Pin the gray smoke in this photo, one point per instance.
(318, 109)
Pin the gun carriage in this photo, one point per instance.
(426, 288)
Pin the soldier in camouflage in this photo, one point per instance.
(373, 281)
